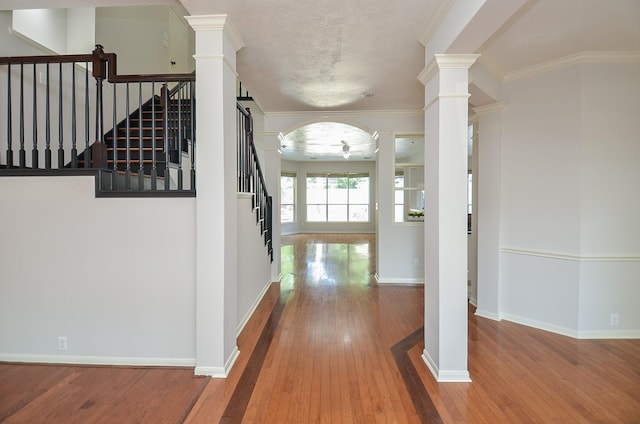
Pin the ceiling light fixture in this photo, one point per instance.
(345, 150)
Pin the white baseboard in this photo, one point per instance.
(445, 376)
(541, 325)
(398, 280)
(486, 314)
(98, 360)
(231, 361)
(215, 372)
(219, 372)
(473, 301)
(253, 308)
(609, 334)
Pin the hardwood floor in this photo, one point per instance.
(329, 345)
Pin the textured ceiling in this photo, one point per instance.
(319, 55)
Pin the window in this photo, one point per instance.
(398, 202)
(288, 197)
(338, 198)
(408, 187)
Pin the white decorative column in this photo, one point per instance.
(216, 259)
(487, 208)
(446, 127)
(385, 173)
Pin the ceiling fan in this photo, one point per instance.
(346, 150)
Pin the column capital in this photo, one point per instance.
(217, 23)
(446, 61)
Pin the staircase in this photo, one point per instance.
(142, 152)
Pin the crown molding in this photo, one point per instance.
(434, 21)
(574, 59)
(338, 113)
(217, 23)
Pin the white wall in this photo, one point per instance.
(47, 27)
(61, 31)
(101, 272)
(400, 245)
(81, 30)
(610, 199)
(570, 240)
(139, 35)
(254, 280)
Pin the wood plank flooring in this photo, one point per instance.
(328, 345)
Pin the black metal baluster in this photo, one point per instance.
(166, 136)
(87, 148)
(47, 141)
(140, 140)
(74, 122)
(192, 111)
(239, 167)
(114, 141)
(9, 132)
(179, 147)
(60, 122)
(154, 163)
(34, 150)
(127, 172)
(21, 152)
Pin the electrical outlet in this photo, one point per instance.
(62, 343)
(416, 262)
(614, 320)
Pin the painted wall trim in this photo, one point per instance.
(32, 42)
(98, 360)
(570, 257)
(328, 114)
(398, 281)
(445, 376)
(564, 331)
(574, 59)
(219, 372)
(612, 334)
(253, 308)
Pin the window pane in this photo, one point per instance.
(337, 213)
(337, 193)
(399, 215)
(287, 185)
(316, 213)
(359, 190)
(316, 190)
(399, 182)
(359, 213)
(399, 197)
(286, 213)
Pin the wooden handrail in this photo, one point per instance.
(98, 56)
(178, 126)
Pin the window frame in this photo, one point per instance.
(327, 203)
(294, 195)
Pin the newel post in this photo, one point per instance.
(98, 151)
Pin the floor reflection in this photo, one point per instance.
(327, 260)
